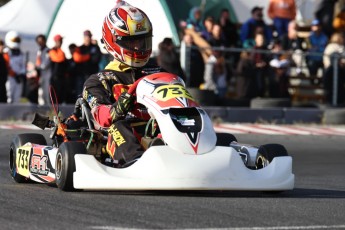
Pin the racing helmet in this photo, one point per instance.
(127, 35)
(12, 39)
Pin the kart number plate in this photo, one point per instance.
(167, 92)
(23, 160)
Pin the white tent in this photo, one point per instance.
(75, 16)
(29, 18)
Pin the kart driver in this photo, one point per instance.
(127, 36)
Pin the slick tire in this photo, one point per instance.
(17, 142)
(224, 139)
(260, 103)
(268, 152)
(334, 116)
(65, 164)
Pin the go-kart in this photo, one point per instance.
(192, 156)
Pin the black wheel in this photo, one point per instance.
(65, 164)
(18, 141)
(224, 139)
(268, 152)
(259, 103)
(334, 116)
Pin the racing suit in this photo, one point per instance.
(102, 91)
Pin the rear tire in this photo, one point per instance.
(268, 152)
(65, 164)
(224, 139)
(17, 142)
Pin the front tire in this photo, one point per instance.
(17, 142)
(225, 139)
(268, 152)
(65, 164)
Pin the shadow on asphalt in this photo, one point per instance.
(296, 193)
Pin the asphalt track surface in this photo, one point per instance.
(317, 202)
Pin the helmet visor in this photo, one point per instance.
(135, 43)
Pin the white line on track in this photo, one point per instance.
(246, 128)
(242, 228)
(20, 126)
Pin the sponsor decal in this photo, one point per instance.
(39, 165)
(140, 27)
(115, 139)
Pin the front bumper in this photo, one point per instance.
(161, 168)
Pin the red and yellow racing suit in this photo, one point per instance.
(101, 91)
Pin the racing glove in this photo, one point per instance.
(124, 104)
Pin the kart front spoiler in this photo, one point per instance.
(161, 168)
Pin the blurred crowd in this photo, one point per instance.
(33, 81)
(259, 55)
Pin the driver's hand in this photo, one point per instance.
(124, 104)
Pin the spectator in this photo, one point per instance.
(339, 21)
(245, 79)
(91, 47)
(281, 12)
(249, 27)
(230, 33)
(168, 58)
(43, 68)
(215, 77)
(58, 69)
(193, 63)
(32, 83)
(291, 40)
(194, 20)
(325, 14)
(207, 32)
(72, 76)
(279, 80)
(260, 61)
(229, 28)
(250, 42)
(217, 37)
(16, 67)
(87, 58)
(279, 77)
(3, 74)
(317, 44)
(335, 45)
(297, 45)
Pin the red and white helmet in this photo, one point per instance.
(127, 35)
